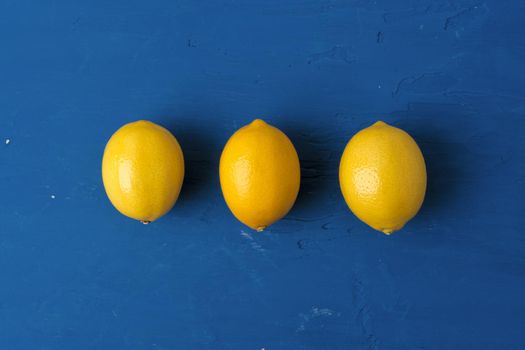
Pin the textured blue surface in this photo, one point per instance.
(75, 274)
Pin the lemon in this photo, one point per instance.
(260, 174)
(383, 177)
(143, 170)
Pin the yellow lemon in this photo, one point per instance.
(143, 170)
(383, 177)
(260, 174)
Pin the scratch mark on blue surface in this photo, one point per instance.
(326, 226)
(380, 37)
(402, 81)
(465, 15)
(363, 315)
(336, 53)
(425, 83)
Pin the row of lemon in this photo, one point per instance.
(382, 174)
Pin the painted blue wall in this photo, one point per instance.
(75, 274)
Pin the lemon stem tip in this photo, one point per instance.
(145, 222)
(258, 122)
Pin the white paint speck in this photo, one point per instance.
(253, 243)
(7, 141)
(53, 196)
(314, 313)
(321, 312)
(379, 86)
(246, 235)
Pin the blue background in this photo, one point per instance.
(75, 274)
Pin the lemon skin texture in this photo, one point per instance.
(143, 170)
(383, 177)
(260, 174)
